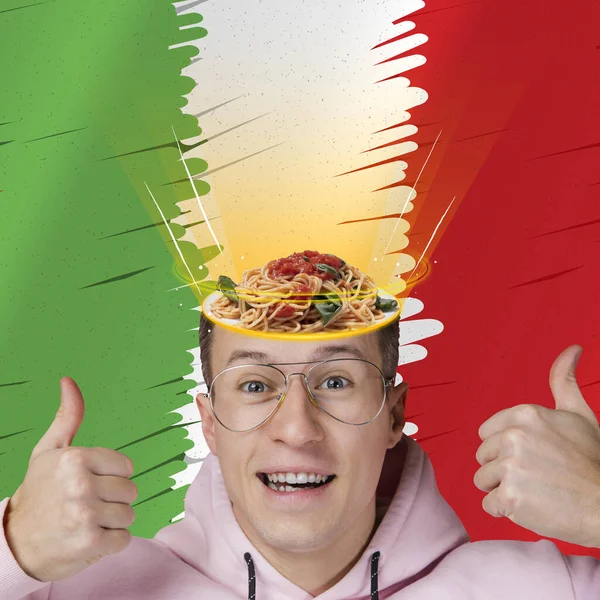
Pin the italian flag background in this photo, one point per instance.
(449, 149)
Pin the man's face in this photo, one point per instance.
(302, 438)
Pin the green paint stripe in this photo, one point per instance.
(25, 6)
(15, 383)
(3, 437)
(153, 497)
(165, 383)
(179, 457)
(235, 162)
(159, 432)
(54, 135)
(118, 278)
(133, 230)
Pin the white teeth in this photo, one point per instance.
(302, 477)
(289, 488)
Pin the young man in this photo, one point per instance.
(310, 490)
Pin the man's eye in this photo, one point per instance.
(254, 387)
(335, 383)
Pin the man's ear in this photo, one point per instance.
(397, 403)
(208, 422)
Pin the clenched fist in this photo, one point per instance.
(73, 506)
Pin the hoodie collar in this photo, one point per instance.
(417, 530)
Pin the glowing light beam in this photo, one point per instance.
(197, 197)
(430, 240)
(411, 191)
(172, 236)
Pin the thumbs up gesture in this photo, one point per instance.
(73, 505)
(541, 467)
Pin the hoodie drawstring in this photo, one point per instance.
(252, 576)
(374, 575)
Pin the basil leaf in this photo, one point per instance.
(226, 286)
(327, 305)
(340, 259)
(386, 304)
(328, 269)
(306, 258)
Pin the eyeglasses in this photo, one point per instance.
(351, 390)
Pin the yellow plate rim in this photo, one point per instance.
(229, 324)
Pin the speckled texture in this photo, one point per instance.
(292, 109)
(89, 103)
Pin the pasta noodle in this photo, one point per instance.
(304, 292)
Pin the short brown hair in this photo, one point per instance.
(388, 346)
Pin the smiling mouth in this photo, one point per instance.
(293, 487)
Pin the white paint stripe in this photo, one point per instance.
(411, 353)
(413, 331)
(410, 428)
(411, 307)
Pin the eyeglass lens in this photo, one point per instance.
(350, 390)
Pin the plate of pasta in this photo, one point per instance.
(306, 294)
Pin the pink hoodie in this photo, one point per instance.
(420, 551)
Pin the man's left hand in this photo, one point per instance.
(541, 466)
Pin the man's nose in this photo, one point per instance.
(298, 420)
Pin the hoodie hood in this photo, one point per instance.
(417, 529)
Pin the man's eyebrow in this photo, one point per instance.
(331, 350)
(321, 353)
(254, 355)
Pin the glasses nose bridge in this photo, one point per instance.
(305, 385)
(303, 376)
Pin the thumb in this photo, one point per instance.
(67, 420)
(563, 384)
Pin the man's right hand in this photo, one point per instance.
(73, 506)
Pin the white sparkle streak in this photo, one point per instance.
(196, 194)
(411, 191)
(430, 240)
(175, 289)
(172, 236)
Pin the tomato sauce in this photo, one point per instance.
(304, 262)
(285, 310)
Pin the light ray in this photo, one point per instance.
(172, 236)
(430, 240)
(197, 197)
(189, 285)
(410, 193)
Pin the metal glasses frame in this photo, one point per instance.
(387, 382)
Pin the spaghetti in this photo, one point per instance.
(303, 292)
